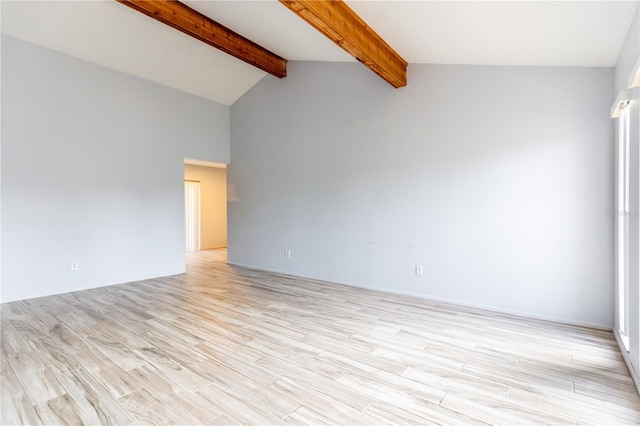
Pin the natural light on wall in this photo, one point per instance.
(623, 222)
(192, 216)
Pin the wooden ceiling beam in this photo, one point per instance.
(193, 23)
(343, 26)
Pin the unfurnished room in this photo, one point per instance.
(320, 212)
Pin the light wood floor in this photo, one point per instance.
(227, 345)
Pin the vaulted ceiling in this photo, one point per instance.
(545, 33)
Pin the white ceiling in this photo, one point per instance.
(110, 34)
(549, 33)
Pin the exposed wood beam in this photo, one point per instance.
(343, 26)
(185, 19)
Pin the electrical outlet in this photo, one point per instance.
(75, 265)
(287, 254)
(419, 270)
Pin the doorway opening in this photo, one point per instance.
(211, 225)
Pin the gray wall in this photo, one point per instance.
(92, 171)
(497, 179)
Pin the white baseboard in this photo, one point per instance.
(635, 375)
(522, 314)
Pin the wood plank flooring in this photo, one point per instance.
(228, 345)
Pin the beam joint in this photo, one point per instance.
(338, 22)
